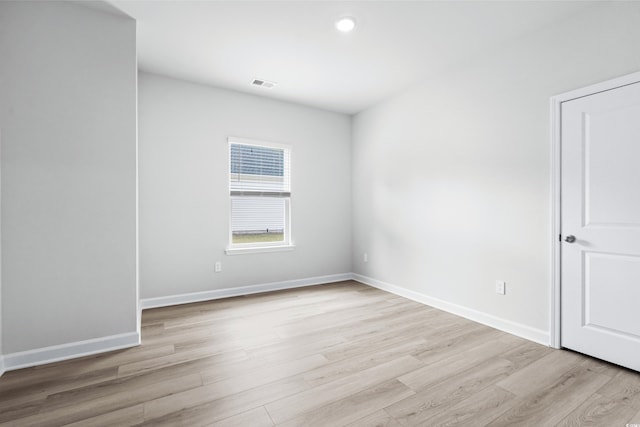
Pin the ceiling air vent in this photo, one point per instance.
(263, 83)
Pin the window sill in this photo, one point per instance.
(259, 249)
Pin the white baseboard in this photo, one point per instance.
(523, 331)
(1, 365)
(56, 353)
(244, 290)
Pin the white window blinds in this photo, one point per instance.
(258, 170)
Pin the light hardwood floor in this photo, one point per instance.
(331, 355)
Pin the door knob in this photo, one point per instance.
(570, 238)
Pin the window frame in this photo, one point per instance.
(258, 247)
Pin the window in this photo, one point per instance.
(260, 192)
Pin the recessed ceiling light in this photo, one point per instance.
(345, 24)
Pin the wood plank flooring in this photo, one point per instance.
(333, 355)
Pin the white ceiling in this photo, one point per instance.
(294, 43)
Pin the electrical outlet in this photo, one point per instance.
(365, 257)
(501, 287)
(218, 267)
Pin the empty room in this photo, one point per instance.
(319, 213)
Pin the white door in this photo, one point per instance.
(600, 209)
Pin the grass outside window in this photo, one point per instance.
(257, 237)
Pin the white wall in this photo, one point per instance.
(451, 180)
(184, 193)
(68, 119)
(1, 353)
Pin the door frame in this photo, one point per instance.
(556, 194)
